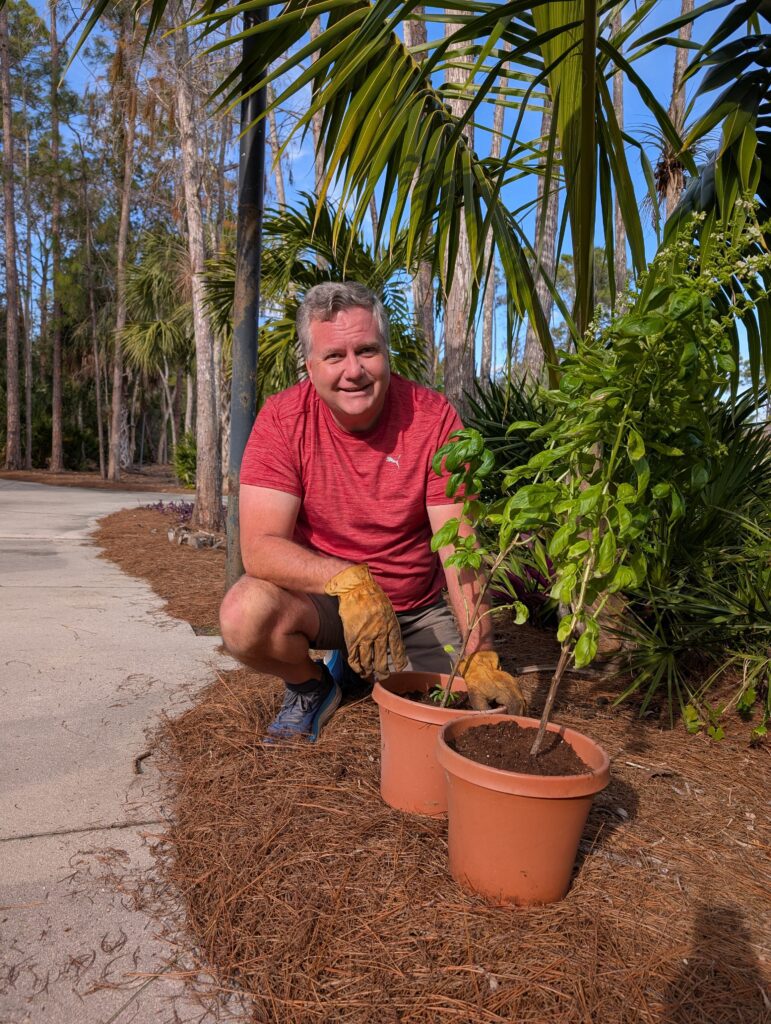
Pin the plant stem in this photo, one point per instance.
(553, 687)
(473, 620)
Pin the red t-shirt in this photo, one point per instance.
(364, 495)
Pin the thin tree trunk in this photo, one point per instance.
(12, 306)
(545, 249)
(93, 315)
(318, 145)
(488, 309)
(43, 300)
(423, 299)
(208, 498)
(169, 402)
(118, 413)
(275, 146)
(676, 177)
(459, 361)
(27, 297)
(189, 394)
(178, 379)
(56, 464)
(619, 252)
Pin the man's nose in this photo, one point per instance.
(353, 366)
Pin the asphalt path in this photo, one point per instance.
(88, 662)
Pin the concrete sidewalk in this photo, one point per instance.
(87, 662)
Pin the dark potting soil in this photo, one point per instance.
(425, 698)
(506, 745)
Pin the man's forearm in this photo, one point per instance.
(290, 565)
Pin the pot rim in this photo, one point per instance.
(383, 694)
(520, 783)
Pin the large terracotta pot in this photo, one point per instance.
(410, 776)
(513, 838)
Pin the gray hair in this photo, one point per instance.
(324, 300)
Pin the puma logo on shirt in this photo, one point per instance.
(394, 459)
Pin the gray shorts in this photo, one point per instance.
(425, 632)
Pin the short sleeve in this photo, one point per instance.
(449, 422)
(269, 458)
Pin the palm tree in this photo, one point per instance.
(302, 249)
(158, 337)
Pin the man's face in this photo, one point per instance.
(348, 367)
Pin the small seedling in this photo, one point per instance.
(437, 695)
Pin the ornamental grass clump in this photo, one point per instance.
(628, 449)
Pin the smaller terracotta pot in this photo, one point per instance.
(513, 838)
(410, 776)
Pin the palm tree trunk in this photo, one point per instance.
(459, 353)
(546, 206)
(423, 299)
(12, 306)
(208, 498)
(619, 249)
(676, 178)
(56, 464)
(118, 413)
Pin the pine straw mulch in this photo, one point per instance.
(303, 889)
(148, 478)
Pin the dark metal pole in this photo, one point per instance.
(246, 306)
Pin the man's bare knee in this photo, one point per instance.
(258, 618)
(248, 614)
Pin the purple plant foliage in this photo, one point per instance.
(182, 511)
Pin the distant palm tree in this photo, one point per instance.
(158, 336)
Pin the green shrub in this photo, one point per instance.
(185, 460)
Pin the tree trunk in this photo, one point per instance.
(27, 298)
(545, 249)
(189, 395)
(12, 306)
(208, 485)
(118, 450)
(318, 145)
(676, 176)
(275, 146)
(619, 252)
(459, 339)
(93, 316)
(488, 310)
(423, 300)
(56, 464)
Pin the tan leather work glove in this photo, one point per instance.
(369, 622)
(488, 684)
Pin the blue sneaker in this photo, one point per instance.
(352, 684)
(303, 715)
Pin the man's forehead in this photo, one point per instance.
(356, 324)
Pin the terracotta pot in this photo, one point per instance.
(513, 838)
(410, 776)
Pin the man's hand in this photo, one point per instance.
(488, 684)
(369, 622)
